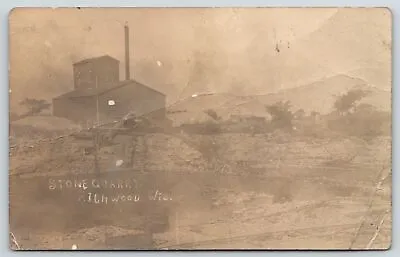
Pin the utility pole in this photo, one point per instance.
(96, 150)
(97, 104)
(96, 132)
(127, 66)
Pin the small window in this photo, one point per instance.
(111, 102)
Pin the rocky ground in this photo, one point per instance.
(268, 192)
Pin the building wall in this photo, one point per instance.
(83, 76)
(107, 72)
(105, 69)
(132, 97)
(80, 110)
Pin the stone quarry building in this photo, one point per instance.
(99, 95)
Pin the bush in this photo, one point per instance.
(347, 102)
(365, 123)
(282, 116)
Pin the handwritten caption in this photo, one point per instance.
(123, 191)
(84, 184)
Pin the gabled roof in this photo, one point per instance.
(88, 92)
(105, 57)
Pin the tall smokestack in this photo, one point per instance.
(127, 68)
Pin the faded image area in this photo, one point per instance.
(200, 128)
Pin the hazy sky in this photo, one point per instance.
(185, 51)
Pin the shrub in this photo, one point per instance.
(282, 116)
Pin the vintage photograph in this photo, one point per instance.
(200, 128)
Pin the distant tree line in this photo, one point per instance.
(349, 117)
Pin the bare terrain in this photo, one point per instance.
(270, 190)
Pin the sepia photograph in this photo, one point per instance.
(200, 129)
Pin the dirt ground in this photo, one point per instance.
(296, 194)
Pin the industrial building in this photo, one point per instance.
(100, 97)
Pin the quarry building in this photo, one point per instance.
(100, 96)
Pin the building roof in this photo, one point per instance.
(88, 92)
(105, 57)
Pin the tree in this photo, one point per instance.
(347, 103)
(281, 114)
(35, 106)
(368, 123)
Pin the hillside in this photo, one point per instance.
(37, 127)
(317, 96)
(348, 41)
(320, 95)
(191, 109)
(46, 122)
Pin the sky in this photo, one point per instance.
(181, 51)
